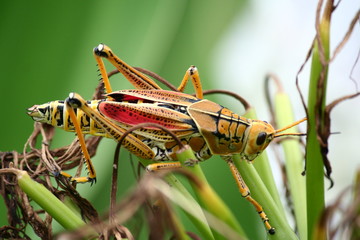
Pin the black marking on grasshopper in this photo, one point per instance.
(59, 115)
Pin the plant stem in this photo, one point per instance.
(47, 201)
(260, 193)
(207, 196)
(263, 168)
(294, 163)
(202, 226)
(316, 106)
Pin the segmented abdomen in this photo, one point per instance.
(58, 117)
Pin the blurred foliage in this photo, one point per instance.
(47, 53)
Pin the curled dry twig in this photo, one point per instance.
(117, 153)
(41, 162)
(279, 89)
(323, 119)
(150, 187)
(348, 225)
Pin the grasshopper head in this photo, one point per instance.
(260, 135)
(40, 113)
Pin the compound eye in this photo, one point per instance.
(261, 138)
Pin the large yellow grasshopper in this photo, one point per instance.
(206, 126)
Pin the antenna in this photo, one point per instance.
(290, 126)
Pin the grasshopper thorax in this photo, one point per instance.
(259, 136)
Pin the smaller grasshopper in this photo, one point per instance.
(207, 127)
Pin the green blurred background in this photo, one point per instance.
(46, 52)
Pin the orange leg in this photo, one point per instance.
(92, 174)
(245, 192)
(162, 166)
(131, 142)
(136, 78)
(192, 73)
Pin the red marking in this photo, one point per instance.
(132, 117)
(130, 98)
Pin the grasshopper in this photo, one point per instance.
(206, 126)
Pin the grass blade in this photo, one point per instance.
(294, 163)
(316, 107)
